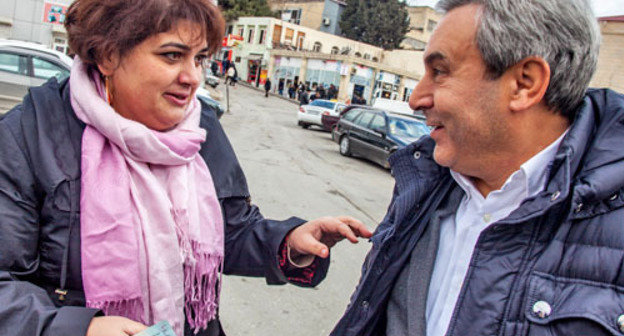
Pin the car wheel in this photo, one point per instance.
(345, 146)
(305, 126)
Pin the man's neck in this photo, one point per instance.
(531, 137)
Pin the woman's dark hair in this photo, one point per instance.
(98, 29)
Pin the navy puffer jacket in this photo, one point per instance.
(554, 266)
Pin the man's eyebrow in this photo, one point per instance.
(434, 56)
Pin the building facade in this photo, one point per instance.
(322, 15)
(610, 70)
(423, 20)
(39, 21)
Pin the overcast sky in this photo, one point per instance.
(601, 7)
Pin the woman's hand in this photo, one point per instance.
(318, 236)
(114, 326)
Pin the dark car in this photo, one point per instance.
(375, 134)
(329, 121)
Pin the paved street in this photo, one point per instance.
(292, 171)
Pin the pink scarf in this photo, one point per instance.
(151, 224)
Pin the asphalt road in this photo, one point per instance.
(297, 172)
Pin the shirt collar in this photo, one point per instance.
(534, 172)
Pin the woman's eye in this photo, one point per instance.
(172, 56)
(200, 60)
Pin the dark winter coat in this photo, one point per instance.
(563, 248)
(40, 143)
(267, 85)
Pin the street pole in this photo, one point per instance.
(227, 96)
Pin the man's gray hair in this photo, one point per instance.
(563, 32)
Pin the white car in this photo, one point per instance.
(311, 114)
(25, 64)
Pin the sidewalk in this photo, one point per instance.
(261, 89)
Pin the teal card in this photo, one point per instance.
(162, 328)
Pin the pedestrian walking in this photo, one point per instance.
(267, 87)
(280, 87)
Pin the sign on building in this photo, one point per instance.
(54, 13)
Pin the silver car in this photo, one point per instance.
(23, 65)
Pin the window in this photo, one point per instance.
(357, 54)
(335, 50)
(289, 34)
(351, 114)
(378, 123)
(250, 36)
(317, 47)
(364, 119)
(13, 63)
(375, 59)
(431, 25)
(366, 56)
(323, 103)
(262, 36)
(44, 69)
(403, 127)
(240, 31)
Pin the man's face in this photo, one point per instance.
(466, 110)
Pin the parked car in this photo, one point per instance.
(329, 121)
(375, 134)
(210, 78)
(205, 99)
(310, 114)
(24, 65)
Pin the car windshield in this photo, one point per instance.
(403, 127)
(323, 103)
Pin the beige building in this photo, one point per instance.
(308, 13)
(423, 20)
(291, 53)
(610, 71)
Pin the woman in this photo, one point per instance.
(121, 201)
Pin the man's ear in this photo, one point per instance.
(108, 65)
(529, 78)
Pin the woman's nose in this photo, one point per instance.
(190, 74)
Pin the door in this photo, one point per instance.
(359, 133)
(277, 35)
(377, 144)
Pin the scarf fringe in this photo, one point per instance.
(202, 272)
(129, 308)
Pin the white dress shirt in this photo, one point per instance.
(459, 232)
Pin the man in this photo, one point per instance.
(509, 219)
(267, 87)
(304, 97)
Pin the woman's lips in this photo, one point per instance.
(177, 99)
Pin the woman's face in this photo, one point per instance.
(154, 83)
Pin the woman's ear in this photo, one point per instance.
(108, 65)
(531, 77)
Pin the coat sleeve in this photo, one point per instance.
(25, 309)
(254, 246)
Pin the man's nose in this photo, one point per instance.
(422, 97)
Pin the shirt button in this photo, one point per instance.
(417, 155)
(542, 309)
(620, 322)
(487, 218)
(364, 304)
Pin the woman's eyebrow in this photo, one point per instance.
(181, 46)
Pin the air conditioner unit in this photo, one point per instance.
(326, 21)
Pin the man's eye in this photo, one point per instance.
(172, 56)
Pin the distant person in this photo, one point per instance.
(321, 91)
(214, 67)
(291, 91)
(332, 92)
(280, 87)
(122, 203)
(304, 97)
(267, 87)
(231, 75)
